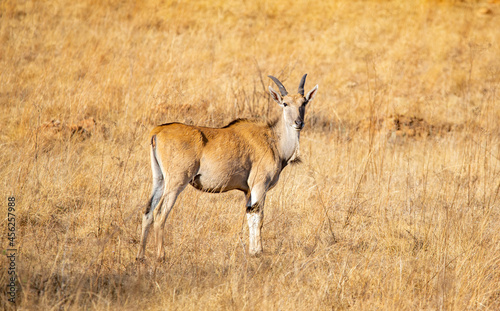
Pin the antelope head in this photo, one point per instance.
(294, 106)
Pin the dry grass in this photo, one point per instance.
(381, 215)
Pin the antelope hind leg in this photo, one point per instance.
(160, 219)
(147, 219)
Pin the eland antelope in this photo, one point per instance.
(243, 155)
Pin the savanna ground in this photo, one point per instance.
(396, 205)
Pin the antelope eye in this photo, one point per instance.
(285, 104)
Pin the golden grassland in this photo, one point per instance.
(396, 203)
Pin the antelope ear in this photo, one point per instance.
(276, 96)
(311, 93)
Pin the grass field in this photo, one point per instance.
(396, 205)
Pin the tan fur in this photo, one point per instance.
(223, 158)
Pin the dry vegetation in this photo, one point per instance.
(396, 205)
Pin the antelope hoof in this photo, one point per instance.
(160, 259)
(255, 252)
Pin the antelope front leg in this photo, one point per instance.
(254, 226)
(255, 219)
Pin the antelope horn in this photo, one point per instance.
(301, 85)
(280, 86)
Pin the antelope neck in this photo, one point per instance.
(287, 140)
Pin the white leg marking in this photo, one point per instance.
(256, 195)
(254, 225)
(255, 214)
